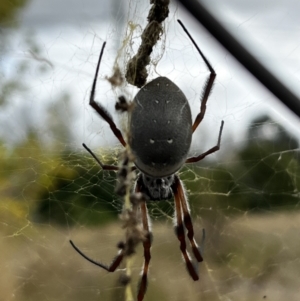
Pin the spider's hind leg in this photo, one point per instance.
(208, 85)
(99, 109)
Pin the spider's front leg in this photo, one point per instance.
(183, 218)
(146, 245)
(188, 220)
(109, 268)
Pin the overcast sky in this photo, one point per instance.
(70, 34)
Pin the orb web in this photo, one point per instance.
(246, 196)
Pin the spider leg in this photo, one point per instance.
(179, 228)
(99, 109)
(208, 85)
(147, 254)
(111, 268)
(210, 151)
(188, 220)
(103, 166)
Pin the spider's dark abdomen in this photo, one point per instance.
(160, 128)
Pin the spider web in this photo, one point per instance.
(246, 196)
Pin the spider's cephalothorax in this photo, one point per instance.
(160, 127)
(160, 133)
(156, 189)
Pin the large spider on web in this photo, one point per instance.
(160, 134)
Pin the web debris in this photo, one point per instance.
(136, 73)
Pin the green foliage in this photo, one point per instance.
(68, 188)
(61, 188)
(9, 10)
(263, 175)
(80, 192)
(269, 168)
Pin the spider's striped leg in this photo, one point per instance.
(179, 228)
(147, 255)
(112, 267)
(99, 109)
(187, 219)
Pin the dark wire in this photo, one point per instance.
(204, 17)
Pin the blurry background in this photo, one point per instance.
(246, 196)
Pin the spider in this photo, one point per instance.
(160, 134)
